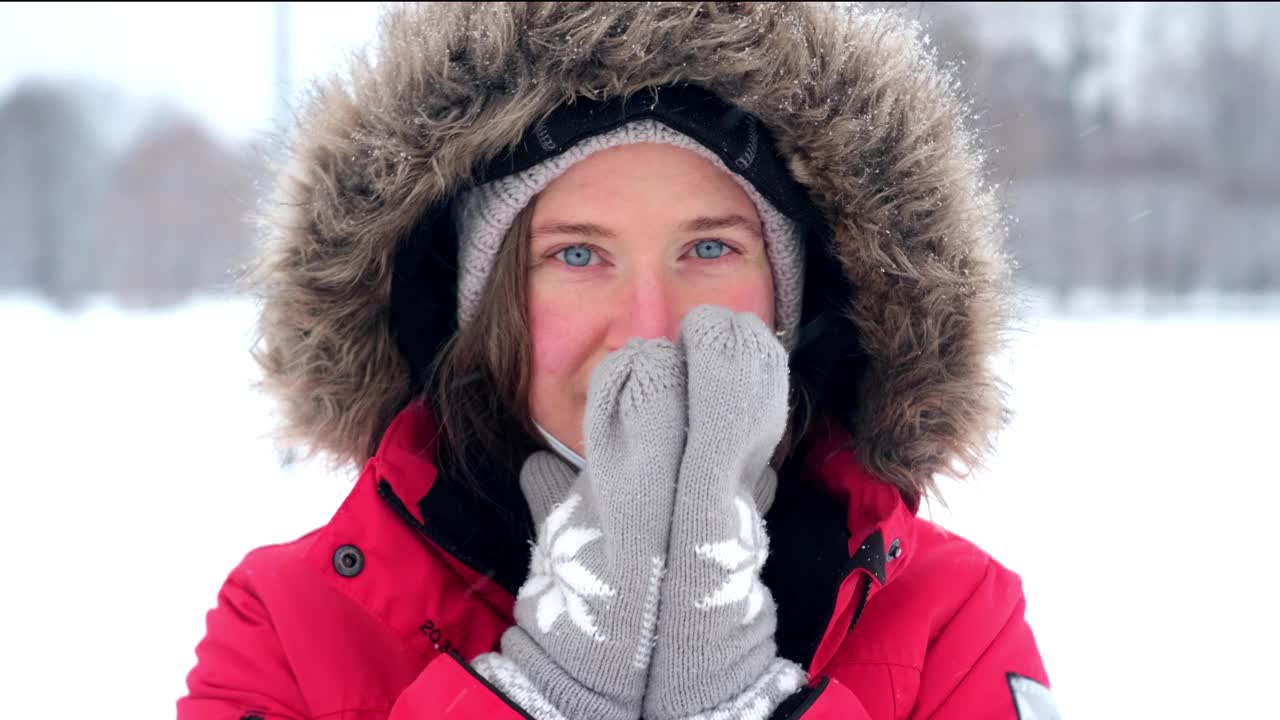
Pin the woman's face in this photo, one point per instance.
(622, 245)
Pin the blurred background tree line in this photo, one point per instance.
(1133, 157)
(149, 223)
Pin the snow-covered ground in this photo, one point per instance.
(1135, 493)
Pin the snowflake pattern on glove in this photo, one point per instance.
(561, 582)
(743, 556)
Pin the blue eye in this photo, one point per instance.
(576, 256)
(709, 249)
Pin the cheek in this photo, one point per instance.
(758, 298)
(560, 333)
(564, 336)
(749, 291)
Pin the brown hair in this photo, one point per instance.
(480, 388)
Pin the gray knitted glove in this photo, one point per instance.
(585, 617)
(715, 655)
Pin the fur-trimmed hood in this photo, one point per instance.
(908, 283)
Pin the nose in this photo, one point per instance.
(651, 310)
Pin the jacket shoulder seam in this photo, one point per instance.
(993, 569)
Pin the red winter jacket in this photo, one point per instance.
(376, 614)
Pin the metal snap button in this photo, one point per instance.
(348, 561)
(895, 549)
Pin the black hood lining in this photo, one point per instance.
(809, 561)
(739, 139)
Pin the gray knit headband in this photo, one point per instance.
(484, 214)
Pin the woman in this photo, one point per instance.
(650, 325)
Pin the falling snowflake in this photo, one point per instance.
(556, 576)
(743, 556)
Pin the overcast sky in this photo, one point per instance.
(215, 60)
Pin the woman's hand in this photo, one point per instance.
(585, 616)
(715, 651)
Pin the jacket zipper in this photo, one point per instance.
(862, 601)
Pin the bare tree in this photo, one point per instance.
(51, 171)
(174, 217)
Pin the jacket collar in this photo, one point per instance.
(491, 535)
(831, 526)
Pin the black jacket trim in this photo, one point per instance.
(800, 701)
(871, 556)
(862, 603)
(469, 529)
(488, 685)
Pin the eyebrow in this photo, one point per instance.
(706, 224)
(698, 224)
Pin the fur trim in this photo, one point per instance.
(856, 105)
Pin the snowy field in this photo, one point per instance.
(1135, 492)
